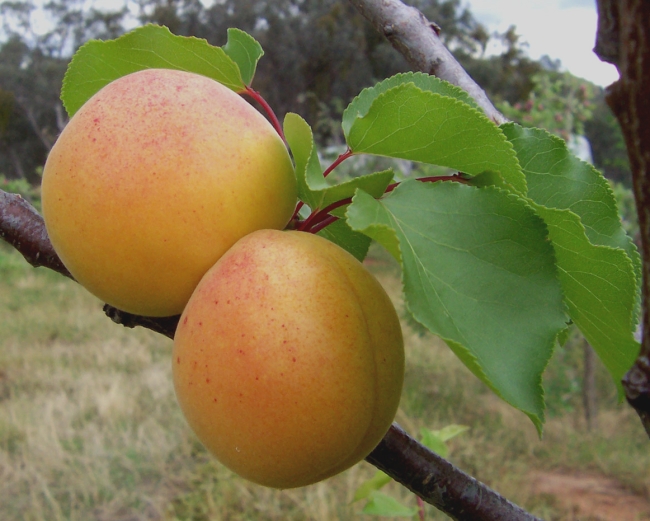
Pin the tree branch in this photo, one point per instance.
(439, 483)
(624, 39)
(425, 473)
(416, 38)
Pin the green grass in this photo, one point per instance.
(90, 429)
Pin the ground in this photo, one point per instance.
(590, 497)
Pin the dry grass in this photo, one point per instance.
(89, 427)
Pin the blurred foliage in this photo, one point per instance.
(30, 192)
(607, 143)
(319, 55)
(559, 103)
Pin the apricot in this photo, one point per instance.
(288, 360)
(153, 179)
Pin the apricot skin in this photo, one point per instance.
(288, 360)
(153, 179)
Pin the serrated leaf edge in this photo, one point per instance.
(474, 112)
(66, 77)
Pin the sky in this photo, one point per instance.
(561, 29)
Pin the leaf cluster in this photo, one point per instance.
(497, 259)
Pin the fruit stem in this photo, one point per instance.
(318, 216)
(267, 108)
(298, 207)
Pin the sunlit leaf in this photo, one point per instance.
(556, 178)
(407, 122)
(97, 63)
(599, 265)
(360, 105)
(245, 51)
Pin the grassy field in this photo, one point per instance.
(90, 430)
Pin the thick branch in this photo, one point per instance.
(416, 38)
(439, 483)
(628, 31)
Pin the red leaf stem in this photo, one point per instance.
(323, 224)
(342, 157)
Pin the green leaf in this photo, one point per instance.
(556, 178)
(97, 63)
(314, 189)
(599, 285)
(479, 271)
(245, 51)
(376, 482)
(407, 122)
(300, 138)
(339, 232)
(360, 105)
(381, 504)
(451, 431)
(433, 441)
(599, 265)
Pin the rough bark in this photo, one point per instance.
(417, 39)
(624, 40)
(440, 483)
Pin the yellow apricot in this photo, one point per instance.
(288, 360)
(153, 179)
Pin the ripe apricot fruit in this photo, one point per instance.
(153, 179)
(288, 360)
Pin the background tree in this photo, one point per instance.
(399, 454)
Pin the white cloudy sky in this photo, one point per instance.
(562, 29)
